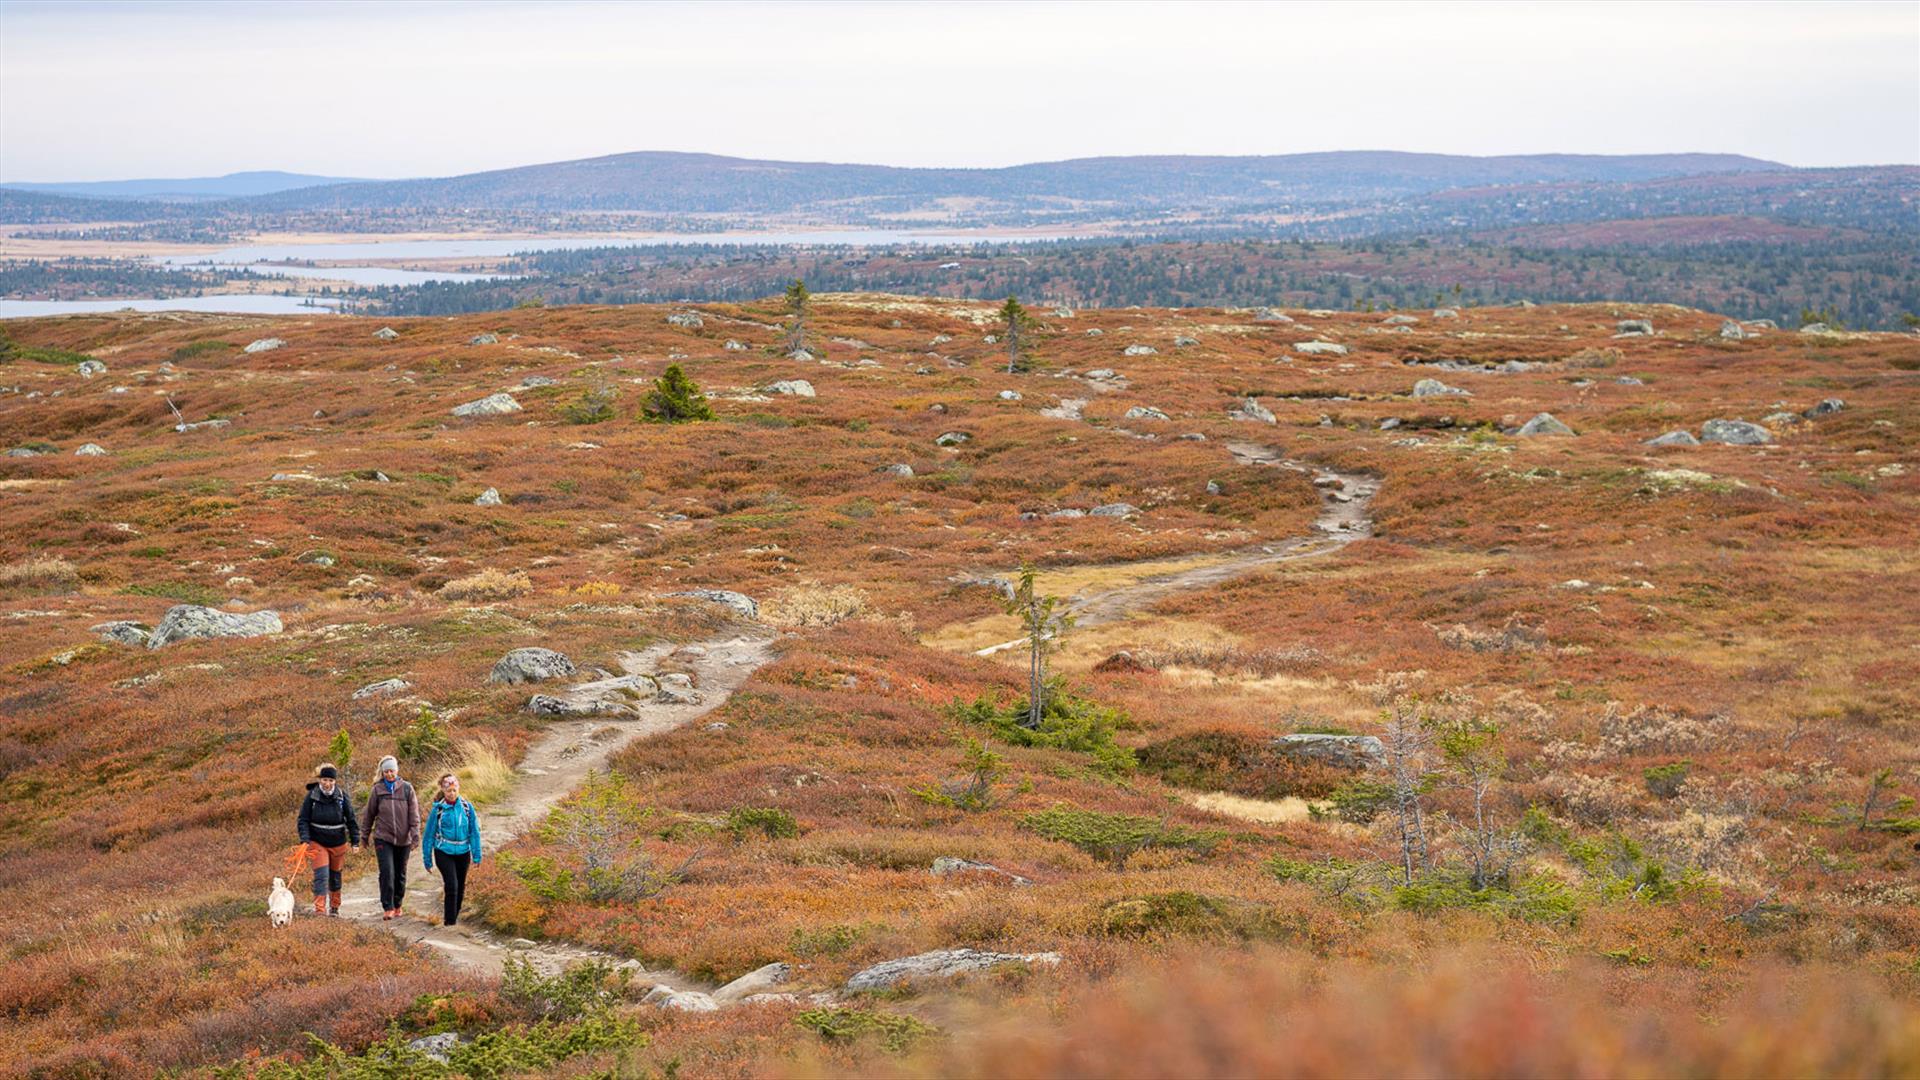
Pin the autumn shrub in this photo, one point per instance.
(1068, 722)
(582, 988)
(1534, 898)
(424, 741)
(494, 1055)
(1115, 838)
(599, 831)
(594, 407)
(1665, 781)
(1593, 357)
(1241, 762)
(766, 821)
(893, 1032)
(488, 584)
(974, 790)
(1357, 801)
(1181, 913)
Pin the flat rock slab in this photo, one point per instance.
(940, 964)
(188, 621)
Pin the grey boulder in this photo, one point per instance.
(742, 604)
(758, 981)
(382, 689)
(188, 621)
(1825, 408)
(1544, 424)
(501, 404)
(489, 497)
(1119, 509)
(1436, 388)
(530, 664)
(263, 345)
(91, 450)
(1734, 433)
(1633, 328)
(1675, 438)
(386, 333)
(1340, 751)
(122, 632)
(89, 368)
(1145, 412)
(939, 964)
(1320, 348)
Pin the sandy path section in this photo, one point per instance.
(556, 764)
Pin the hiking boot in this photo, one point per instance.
(335, 907)
(319, 905)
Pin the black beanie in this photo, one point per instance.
(328, 772)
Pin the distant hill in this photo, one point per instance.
(189, 189)
(706, 183)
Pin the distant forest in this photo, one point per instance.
(1868, 282)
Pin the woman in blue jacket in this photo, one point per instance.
(452, 840)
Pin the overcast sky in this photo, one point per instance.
(92, 91)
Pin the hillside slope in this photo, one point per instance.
(1682, 673)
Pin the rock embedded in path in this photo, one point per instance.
(1734, 433)
(939, 964)
(758, 981)
(1251, 409)
(501, 404)
(743, 605)
(530, 664)
(1544, 424)
(191, 621)
(1340, 751)
(1675, 438)
(263, 345)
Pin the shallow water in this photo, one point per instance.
(249, 304)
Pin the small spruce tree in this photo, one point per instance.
(1017, 320)
(1044, 625)
(797, 300)
(675, 399)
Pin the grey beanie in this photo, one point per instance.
(389, 762)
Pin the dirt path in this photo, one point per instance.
(1343, 519)
(554, 765)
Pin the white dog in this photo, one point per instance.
(280, 903)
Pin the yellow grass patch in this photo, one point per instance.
(1262, 811)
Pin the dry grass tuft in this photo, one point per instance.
(488, 584)
(814, 605)
(484, 772)
(39, 572)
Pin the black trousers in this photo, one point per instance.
(393, 873)
(453, 882)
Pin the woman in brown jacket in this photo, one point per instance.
(392, 822)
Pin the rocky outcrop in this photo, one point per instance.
(484, 339)
(501, 404)
(952, 438)
(1145, 412)
(91, 450)
(1826, 408)
(1011, 395)
(122, 632)
(263, 345)
(1139, 350)
(530, 664)
(743, 605)
(898, 468)
(1340, 751)
(1119, 509)
(792, 388)
(382, 689)
(489, 497)
(1436, 388)
(1733, 331)
(758, 981)
(387, 333)
(189, 621)
(689, 320)
(1269, 315)
(1399, 320)
(939, 964)
(1068, 409)
(1320, 348)
(89, 368)
(1633, 328)
(1734, 433)
(951, 866)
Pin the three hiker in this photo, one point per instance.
(392, 823)
(453, 841)
(328, 829)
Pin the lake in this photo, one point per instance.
(243, 304)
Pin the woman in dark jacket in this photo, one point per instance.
(328, 828)
(392, 822)
(452, 840)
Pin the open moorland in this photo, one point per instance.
(1643, 804)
